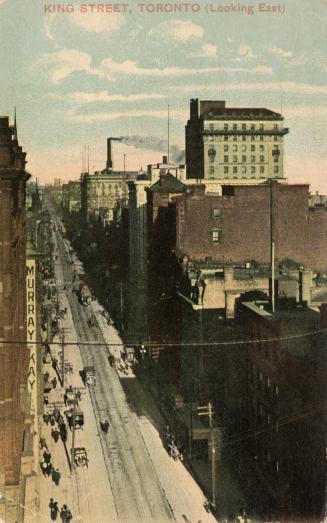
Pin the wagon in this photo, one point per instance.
(88, 376)
(80, 457)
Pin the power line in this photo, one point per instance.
(167, 344)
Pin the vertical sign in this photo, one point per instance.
(31, 330)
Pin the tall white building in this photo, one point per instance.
(229, 144)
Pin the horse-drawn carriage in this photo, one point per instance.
(80, 457)
(88, 376)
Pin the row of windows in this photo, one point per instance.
(237, 159)
(243, 169)
(235, 148)
(244, 138)
(244, 127)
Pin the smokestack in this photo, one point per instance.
(110, 159)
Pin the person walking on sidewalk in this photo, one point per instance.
(54, 382)
(65, 514)
(55, 435)
(53, 509)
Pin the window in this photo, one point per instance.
(216, 235)
(235, 169)
(226, 158)
(276, 169)
(225, 169)
(262, 169)
(225, 137)
(211, 169)
(216, 213)
(252, 147)
(244, 138)
(252, 169)
(235, 126)
(225, 148)
(275, 127)
(243, 158)
(234, 148)
(235, 137)
(244, 126)
(262, 148)
(261, 127)
(226, 127)
(234, 158)
(243, 169)
(243, 148)
(252, 138)
(252, 127)
(275, 138)
(252, 158)
(262, 158)
(211, 127)
(261, 138)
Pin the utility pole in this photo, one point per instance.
(208, 411)
(72, 467)
(62, 336)
(168, 133)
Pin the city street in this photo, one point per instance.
(130, 476)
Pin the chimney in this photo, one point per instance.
(109, 155)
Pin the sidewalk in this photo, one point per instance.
(85, 489)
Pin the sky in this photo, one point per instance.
(80, 76)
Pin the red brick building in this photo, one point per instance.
(237, 226)
(14, 357)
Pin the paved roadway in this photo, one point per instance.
(136, 489)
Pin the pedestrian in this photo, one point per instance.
(46, 418)
(65, 399)
(56, 414)
(54, 509)
(57, 477)
(54, 363)
(55, 435)
(46, 400)
(46, 377)
(43, 444)
(54, 382)
(52, 421)
(48, 470)
(44, 467)
(63, 432)
(47, 456)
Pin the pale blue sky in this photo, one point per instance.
(77, 78)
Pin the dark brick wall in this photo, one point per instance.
(245, 224)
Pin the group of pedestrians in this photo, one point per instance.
(65, 514)
(48, 468)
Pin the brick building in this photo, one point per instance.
(224, 143)
(14, 357)
(237, 226)
(286, 407)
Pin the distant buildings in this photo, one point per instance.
(14, 356)
(104, 193)
(71, 196)
(227, 143)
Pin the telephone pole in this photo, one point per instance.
(62, 339)
(207, 410)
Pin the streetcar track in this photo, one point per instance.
(116, 455)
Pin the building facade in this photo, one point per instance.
(225, 143)
(237, 227)
(285, 408)
(105, 193)
(14, 356)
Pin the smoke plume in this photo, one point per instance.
(177, 155)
